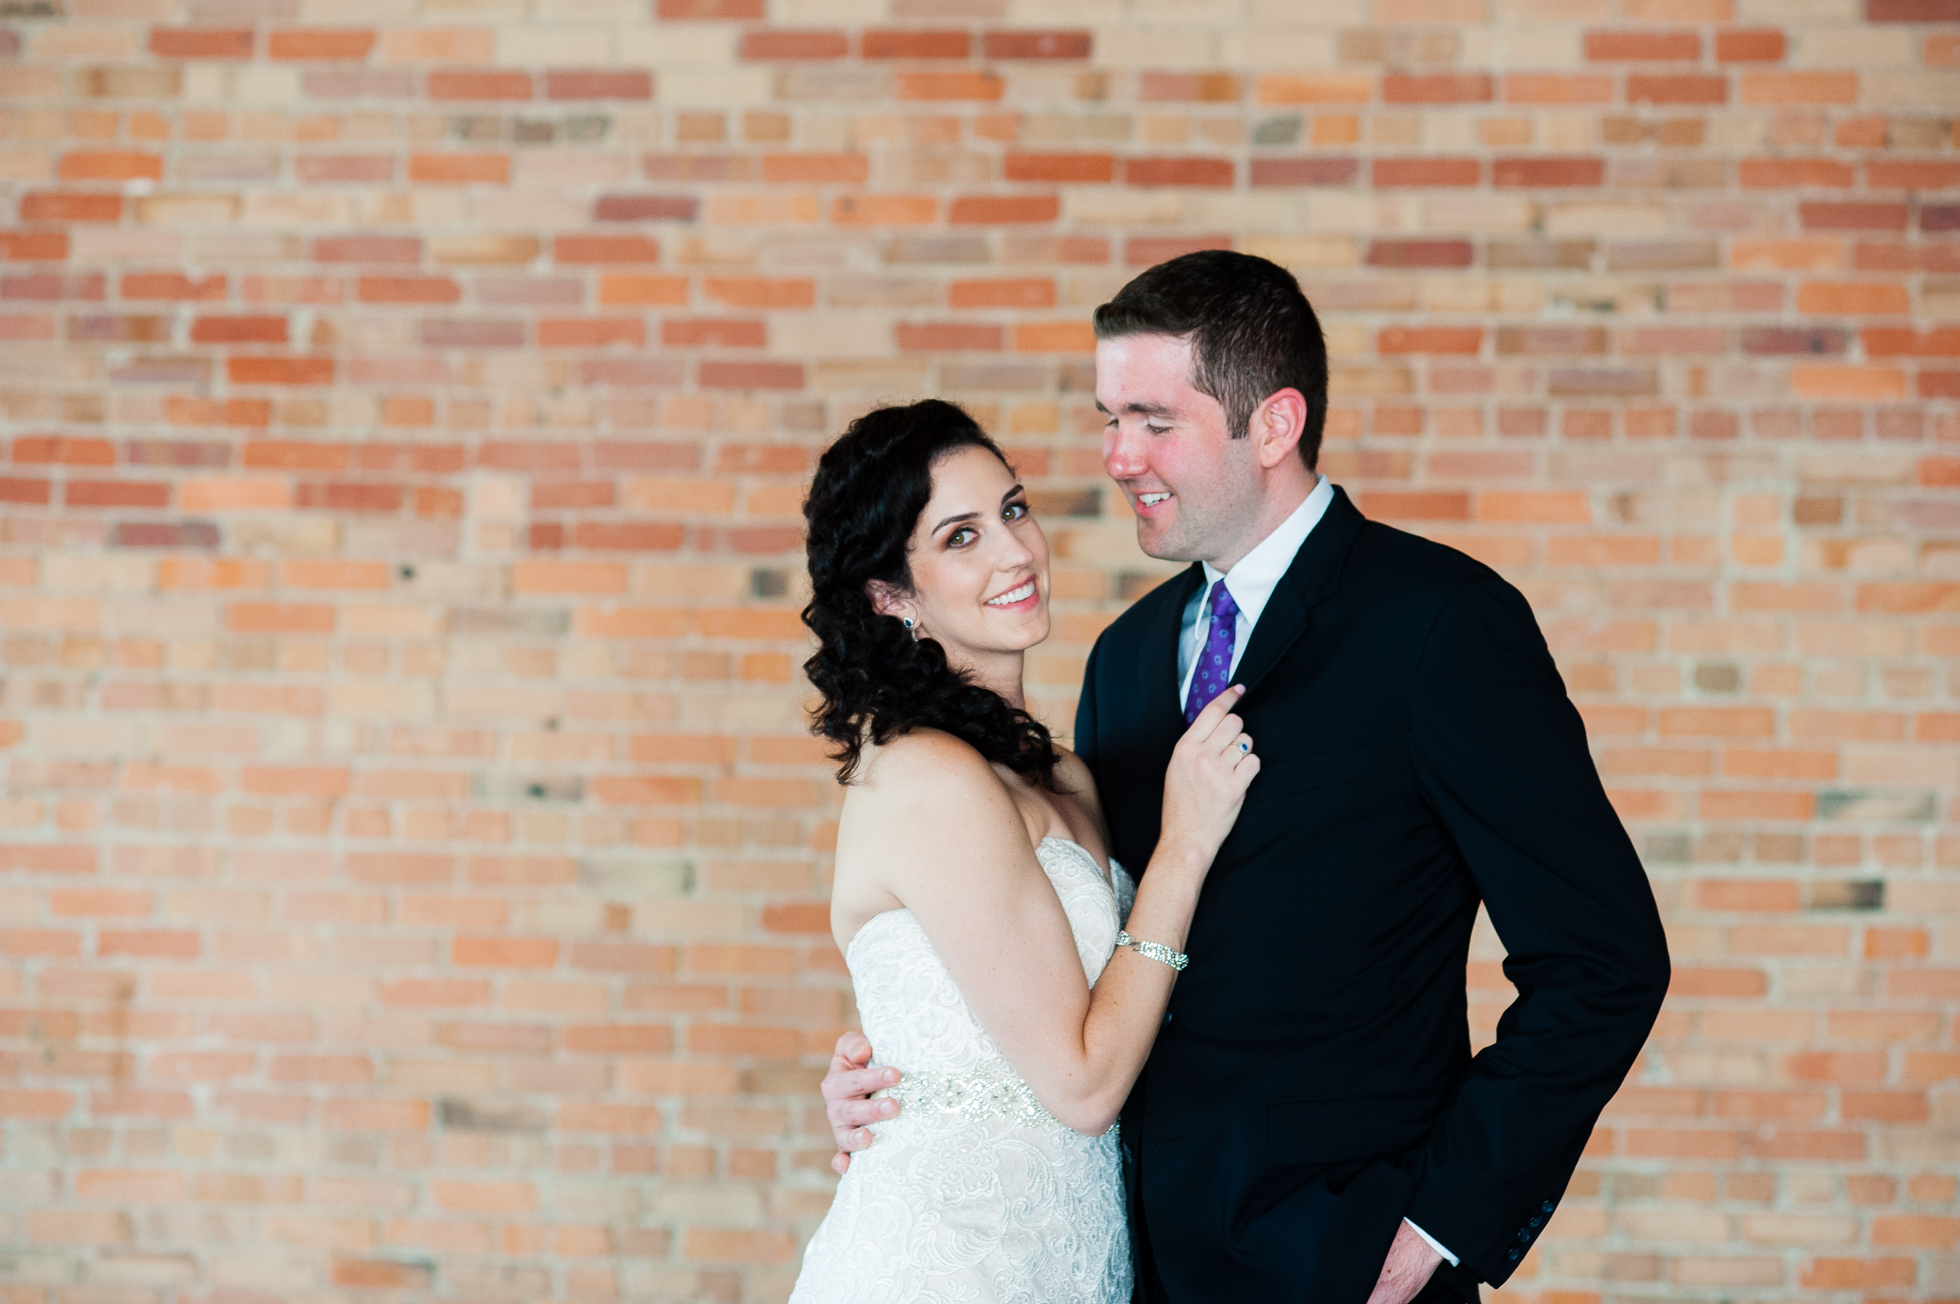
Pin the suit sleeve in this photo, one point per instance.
(1500, 753)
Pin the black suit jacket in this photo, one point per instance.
(1313, 1083)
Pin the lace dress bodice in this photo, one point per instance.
(973, 1193)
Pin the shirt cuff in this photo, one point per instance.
(1434, 1244)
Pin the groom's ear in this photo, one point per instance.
(1277, 425)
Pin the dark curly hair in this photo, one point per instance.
(877, 681)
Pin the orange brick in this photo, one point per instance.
(459, 169)
(484, 1197)
(270, 617)
(110, 165)
(505, 952)
(1799, 88)
(320, 43)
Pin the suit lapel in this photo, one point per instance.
(1162, 706)
(1314, 574)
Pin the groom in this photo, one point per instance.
(1311, 1125)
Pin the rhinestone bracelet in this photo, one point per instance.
(1161, 954)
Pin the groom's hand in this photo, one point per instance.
(1411, 1263)
(845, 1089)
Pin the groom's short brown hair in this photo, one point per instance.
(1252, 333)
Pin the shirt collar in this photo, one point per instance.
(1258, 573)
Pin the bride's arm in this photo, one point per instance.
(968, 874)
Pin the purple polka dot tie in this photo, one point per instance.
(1213, 673)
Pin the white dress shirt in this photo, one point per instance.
(1251, 583)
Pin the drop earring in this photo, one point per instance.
(911, 626)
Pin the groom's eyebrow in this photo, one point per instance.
(1139, 409)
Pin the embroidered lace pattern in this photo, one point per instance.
(974, 1194)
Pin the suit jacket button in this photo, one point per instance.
(1513, 1256)
(1545, 1207)
(1536, 1221)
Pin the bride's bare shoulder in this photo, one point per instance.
(915, 790)
(1074, 780)
(926, 765)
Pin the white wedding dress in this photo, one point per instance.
(974, 1193)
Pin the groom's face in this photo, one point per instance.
(1194, 489)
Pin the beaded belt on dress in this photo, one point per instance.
(974, 1095)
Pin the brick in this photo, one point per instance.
(1437, 88)
(280, 371)
(1328, 88)
(1549, 88)
(645, 208)
(238, 330)
(498, 84)
(619, 291)
(947, 86)
(1427, 172)
(1067, 43)
(1420, 253)
(769, 43)
(1547, 172)
(201, 42)
(1799, 87)
(320, 43)
(1819, 216)
(1676, 88)
(70, 206)
(1059, 167)
(110, 165)
(1759, 173)
(998, 210)
(1306, 171)
(914, 44)
(1902, 174)
(1433, 339)
(597, 84)
(1178, 171)
(459, 169)
(407, 289)
(1643, 46)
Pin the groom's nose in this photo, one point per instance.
(1123, 453)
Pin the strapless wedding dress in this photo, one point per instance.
(974, 1193)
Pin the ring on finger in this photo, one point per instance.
(1245, 747)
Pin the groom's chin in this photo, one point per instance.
(1161, 544)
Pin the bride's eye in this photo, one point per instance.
(1014, 511)
(961, 537)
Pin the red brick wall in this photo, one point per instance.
(411, 866)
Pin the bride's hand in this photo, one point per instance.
(1205, 786)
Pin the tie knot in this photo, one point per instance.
(1221, 602)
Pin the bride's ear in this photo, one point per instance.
(885, 600)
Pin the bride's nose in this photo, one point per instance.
(1014, 553)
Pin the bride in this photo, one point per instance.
(982, 926)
